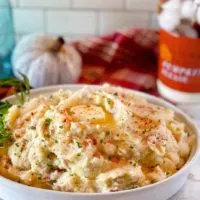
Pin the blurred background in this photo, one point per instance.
(76, 19)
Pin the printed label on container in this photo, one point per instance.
(179, 62)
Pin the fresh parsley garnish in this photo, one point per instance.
(48, 121)
(78, 154)
(32, 127)
(107, 133)
(109, 101)
(78, 144)
(23, 87)
(4, 132)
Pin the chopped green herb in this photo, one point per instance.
(48, 121)
(60, 126)
(17, 144)
(74, 174)
(78, 154)
(4, 132)
(50, 167)
(78, 144)
(52, 182)
(115, 94)
(109, 101)
(21, 150)
(32, 127)
(4, 106)
(107, 133)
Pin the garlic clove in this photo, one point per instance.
(187, 9)
(171, 5)
(168, 20)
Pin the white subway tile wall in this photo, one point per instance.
(76, 19)
(71, 22)
(147, 5)
(45, 3)
(28, 21)
(98, 4)
(110, 21)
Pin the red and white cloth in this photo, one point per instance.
(126, 58)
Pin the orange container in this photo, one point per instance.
(179, 67)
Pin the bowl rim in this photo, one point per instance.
(156, 100)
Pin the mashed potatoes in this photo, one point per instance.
(94, 141)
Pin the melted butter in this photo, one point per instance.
(93, 114)
(108, 120)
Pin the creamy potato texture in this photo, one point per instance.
(93, 140)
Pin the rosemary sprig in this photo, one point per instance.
(22, 86)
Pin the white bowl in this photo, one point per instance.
(10, 190)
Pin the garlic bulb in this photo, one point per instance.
(168, 20)
(187, 9)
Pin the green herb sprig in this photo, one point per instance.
(4, 132)
(22, 86)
